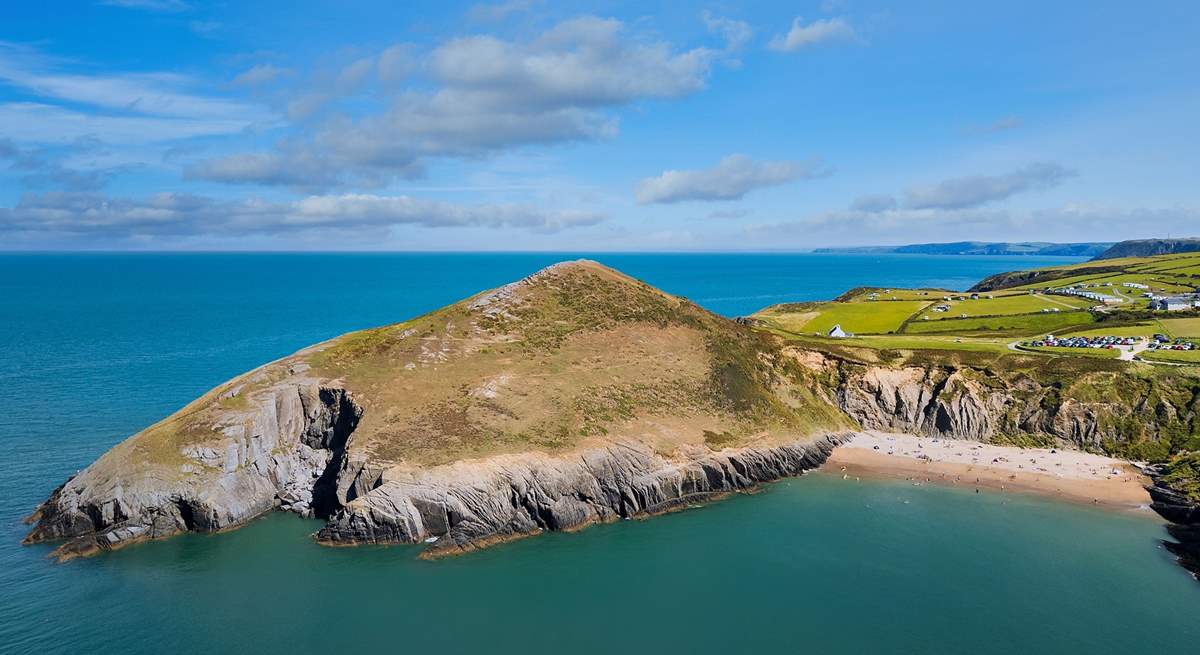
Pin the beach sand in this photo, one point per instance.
(1066, 474)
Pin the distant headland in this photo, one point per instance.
(979, 248)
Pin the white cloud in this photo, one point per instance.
(298, 169)
(999, 125)
(819, 31)
(46, 167)
(873, 203)
(163, 104)
(976, 190)
(260, 74)
(736, 33)
(731, 179)
(395, 63)
(583, 62)
(729, 214)
(901, 225)
(492, 95)
(205, 28)
(58, 214)
(37, 122)
(168, 6)
(500, 10)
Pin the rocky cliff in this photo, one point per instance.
(282, 451)
(1175, 495)
(466, 505)
(1115, 409)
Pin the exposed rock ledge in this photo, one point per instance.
(474, 503)
(287, 451)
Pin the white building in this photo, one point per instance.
(1175, 303)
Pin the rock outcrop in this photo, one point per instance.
(468, 504)
(281, 452)
(1183, 514)
(1094, 410)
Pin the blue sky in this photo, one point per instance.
(527, 125)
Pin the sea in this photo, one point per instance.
(94, 347)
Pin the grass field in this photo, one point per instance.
(857, 317)
(1145, 329)
(904, 320)
(1002, 305)
(1182, 327)
(1167, 273)
(1177, 356)
(1016, 324)
(888, 295)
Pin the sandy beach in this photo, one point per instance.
(1066, 474)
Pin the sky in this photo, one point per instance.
(605, 126)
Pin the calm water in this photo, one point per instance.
(94, 347)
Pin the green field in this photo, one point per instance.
(1016, 324)
(1182, 327)
(856, 317)
(904, 320)
(1001, 305)
(1167, 273)
(1178, 356)
(1145, 329)
(889, 295)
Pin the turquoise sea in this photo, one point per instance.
(94, 347)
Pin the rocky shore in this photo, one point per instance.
(1183, 514)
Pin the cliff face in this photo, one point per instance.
(466, 505)
(1116, 411)
(282, 451)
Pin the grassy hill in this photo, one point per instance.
(575, 354)
(1164, 274)
(1150, 248)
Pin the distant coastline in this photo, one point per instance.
(978, 248)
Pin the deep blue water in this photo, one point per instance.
(94, 347)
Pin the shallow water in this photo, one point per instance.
(97, 346)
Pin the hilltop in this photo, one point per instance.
(1150, 248)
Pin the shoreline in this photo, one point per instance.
(1069, 475)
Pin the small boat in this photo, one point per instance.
(430, 540)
